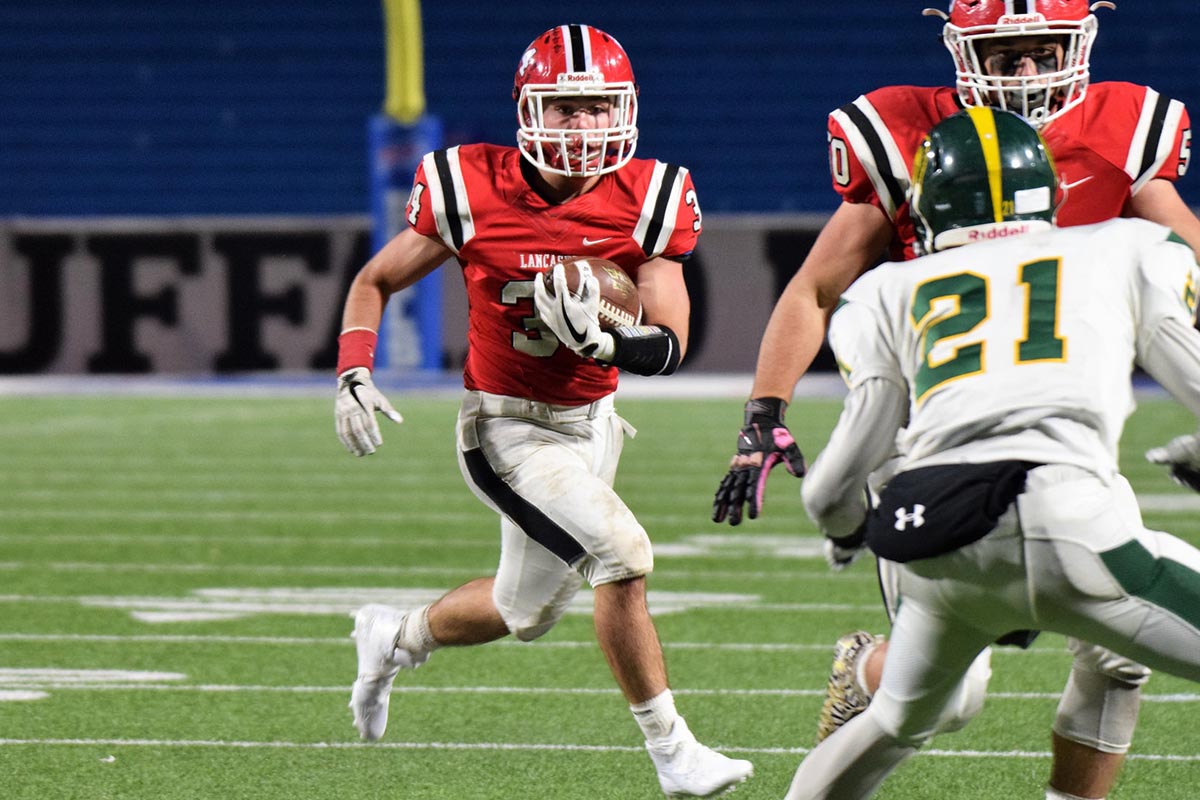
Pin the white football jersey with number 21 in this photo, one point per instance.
(1009, 329)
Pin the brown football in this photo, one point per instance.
(620, 304)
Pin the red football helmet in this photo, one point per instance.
(1041, 97)
(576, 61)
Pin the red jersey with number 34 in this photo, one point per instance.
(475, 200)
(1105, 149)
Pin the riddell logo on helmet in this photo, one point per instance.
(580, 77)
(997, 233)
(1020, 19)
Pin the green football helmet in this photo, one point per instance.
(981, 174)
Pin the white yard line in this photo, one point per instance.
(244, 608)
(348, 642)
(27, 681)
(104, 566)
(325, 517)
(1176, 503)
(518, 746)
(210, 639)
(481, 569)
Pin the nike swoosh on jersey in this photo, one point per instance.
(1066, 186)
(579, 338)
(588, 242)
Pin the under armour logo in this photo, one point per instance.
(904, 518)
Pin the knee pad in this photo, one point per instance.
(527, 626)
(903, 731)
(967, 700)
(1094, 658)
(917, 726)
(529, 617)
(527, 633)
(1099, 706)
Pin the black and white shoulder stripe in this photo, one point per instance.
(660, 208)
(448, 198)
(877, 151)
(1154, 138)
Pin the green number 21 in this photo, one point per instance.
(969, 293)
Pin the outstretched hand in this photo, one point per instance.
(355, 407)
(841, 553)
(763, 443)
(1182, 455)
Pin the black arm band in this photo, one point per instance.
(645, 349)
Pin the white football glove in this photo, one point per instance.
(355, 407)
(574, 320)
(1182, 455)
(839, 557)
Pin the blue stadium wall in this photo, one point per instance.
(152, 108)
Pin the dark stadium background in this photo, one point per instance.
(149, 108)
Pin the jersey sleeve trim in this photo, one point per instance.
(660, 208)
(1153, 139)
(448, 198)
(877, 151)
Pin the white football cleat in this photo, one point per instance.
(687, 768)
(379, 659)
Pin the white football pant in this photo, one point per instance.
(1070, 556)
(548, 471)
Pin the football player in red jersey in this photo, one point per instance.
(1118, 148)
(538, 437)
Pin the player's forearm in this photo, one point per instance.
(403, 261)
(791, 341)
(848, 244)
(358, 339)
(863, 439)
(1173, 360)
(1159, 201)
(364, 305)
(665, 299)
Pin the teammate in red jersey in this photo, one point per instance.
(1118, 148)
(538, 437)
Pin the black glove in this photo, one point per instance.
(763, 443)
(1186, 476)
(1182, 455)
(841, 553)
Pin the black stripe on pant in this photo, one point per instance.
(537, 526)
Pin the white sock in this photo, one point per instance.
(414, 635)
(1055, 794)
(656, 716)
